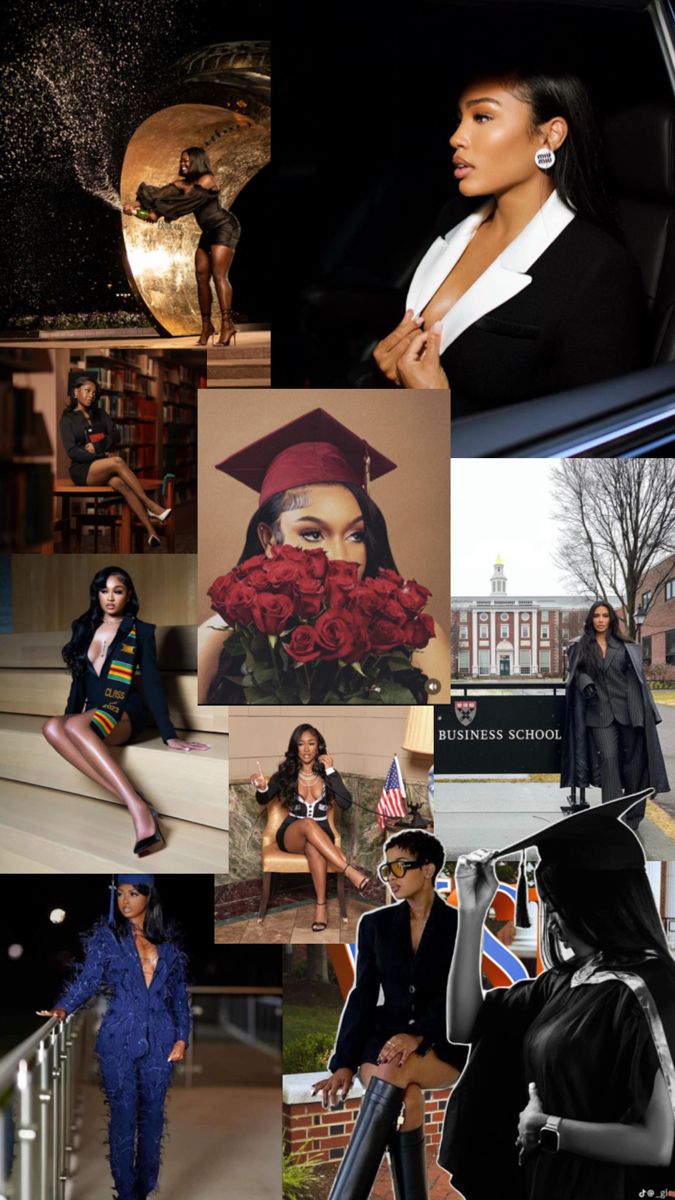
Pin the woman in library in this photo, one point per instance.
(308, 784)
(569, 1090)
(313, 478)
(89, 437)
(609, 737)
(108, 646)
(392, 1030)
(196, 191)
(135, 958)
(534, 292)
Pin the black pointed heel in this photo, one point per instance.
(155, 841)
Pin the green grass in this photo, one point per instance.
(301, 1019)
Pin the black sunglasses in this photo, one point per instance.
(398, 869)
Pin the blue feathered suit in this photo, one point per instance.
(140, 1027)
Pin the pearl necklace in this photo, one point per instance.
(306, 778)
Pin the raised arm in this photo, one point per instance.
(477, 883)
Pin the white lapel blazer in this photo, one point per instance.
(502, 280)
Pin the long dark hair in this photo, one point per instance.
(154, 926)
(199, 163)
(76, 383)
(588, 651)
(74, 653)
(614, 911)
(290, 767)
(376, 536)
(579, 173)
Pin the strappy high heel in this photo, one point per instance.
(204, 340)
(155, 841)
(361, 887)
(319, 926)
(228, 329)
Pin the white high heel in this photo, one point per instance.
(161, 516)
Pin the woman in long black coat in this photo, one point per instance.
(609, 737)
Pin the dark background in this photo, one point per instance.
(36, 979)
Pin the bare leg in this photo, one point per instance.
(318, 869)
(305, 831)
(419, 1073)
(203, 273)
(221, 261)
(97, 762)
(103, 471)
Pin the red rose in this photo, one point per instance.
(219, 590)
(308, 605)
(392, 611)
(334, 635)
(250, 564)
(239, 602)
(419, 632)
(385, 635)
(360, 641)
(413, 596)
(302, 645)
(365, 600)
(315, 563)
(270, 612)
(390, 576)
(280, 573)
(289, 553)
(343, 574)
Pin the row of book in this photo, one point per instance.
(130, 406)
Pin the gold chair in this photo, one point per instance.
(276, 860)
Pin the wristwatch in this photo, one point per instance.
(549, 1135)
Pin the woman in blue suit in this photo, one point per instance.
(108, 646)
(140, 966)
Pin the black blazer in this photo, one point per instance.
(414, 985)
(146, 664)
(335, 790)
(74, 435)
(618, 692)
(580, 320)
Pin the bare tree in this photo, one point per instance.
(616, 518)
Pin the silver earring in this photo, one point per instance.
(544, 158)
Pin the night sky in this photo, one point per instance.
(76, 81)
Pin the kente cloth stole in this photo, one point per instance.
(119, 679)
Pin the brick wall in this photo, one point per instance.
(310, 1131)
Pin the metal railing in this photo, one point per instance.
(37, 1109)
(250, 1015)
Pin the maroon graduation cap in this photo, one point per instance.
(315, 448)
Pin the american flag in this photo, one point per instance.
(392, 801)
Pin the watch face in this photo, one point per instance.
(548, 1139)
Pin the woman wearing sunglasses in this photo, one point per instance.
(399, 1046)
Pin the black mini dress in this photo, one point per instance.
(76, 431)
(316, 810)
(219, 226)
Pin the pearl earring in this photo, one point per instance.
(544, 158)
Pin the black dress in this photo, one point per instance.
(583, 1037)
(219, 226)
(333, 788)
(76, 431)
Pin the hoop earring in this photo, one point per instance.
(544, 158)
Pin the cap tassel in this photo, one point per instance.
(522, 910)
(113, 897)
(366, 467)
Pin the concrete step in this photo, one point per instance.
(191, 787)
(43, 692)
(43, 830)
(176, 648)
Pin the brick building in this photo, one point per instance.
(657, 595)
(497, 634)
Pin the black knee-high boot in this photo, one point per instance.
(379, 1110)
(409, 1165)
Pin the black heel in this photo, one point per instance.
(155, 841)
(319, 926)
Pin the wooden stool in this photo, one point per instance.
(66, 491)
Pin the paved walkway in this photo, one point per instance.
(293, 925)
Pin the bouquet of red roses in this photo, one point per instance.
(308, 631)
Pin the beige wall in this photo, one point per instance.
(50, 395)
(362, 740)
(49, 591)
(411, 428)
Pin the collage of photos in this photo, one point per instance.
(337, 589)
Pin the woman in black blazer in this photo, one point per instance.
(108, 645)
(532, 293)
(609, 736)
(308, 783)
(89, 436)
(399, 1047)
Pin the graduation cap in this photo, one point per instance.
(148, 880)
(77, 377)
(596, 839)
(315, 448)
